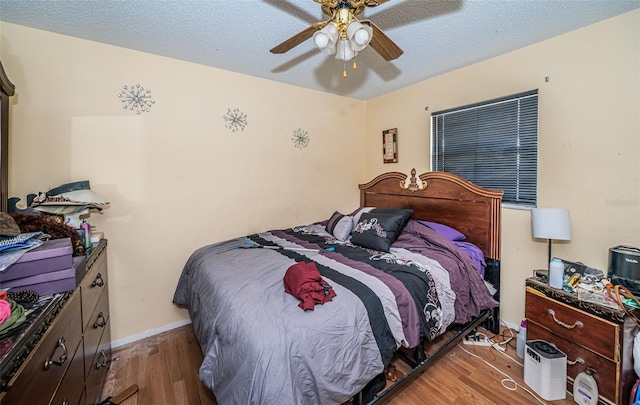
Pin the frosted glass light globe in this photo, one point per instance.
(361, 37)
(322, 40)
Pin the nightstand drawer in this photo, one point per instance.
(579, 327)
(606, 375)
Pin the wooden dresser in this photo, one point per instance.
(62, 356)
(592, 336)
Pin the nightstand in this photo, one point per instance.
(591, 335)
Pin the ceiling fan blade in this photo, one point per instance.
(382, 44)
(298, 38)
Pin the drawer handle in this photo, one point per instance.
(98, 281)
(63, 357)
(66, 402)
(104, 362)
(576, 361)
(577, 324)
(100, 322)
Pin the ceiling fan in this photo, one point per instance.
(343, 34)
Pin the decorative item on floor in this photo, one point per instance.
(550, 224)
(136, 98)
(300, 138)
(390, 145)
(235, 120)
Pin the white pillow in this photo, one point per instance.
(340, 225)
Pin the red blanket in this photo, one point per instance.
(303, 281)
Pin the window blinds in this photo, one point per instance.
(493, 144)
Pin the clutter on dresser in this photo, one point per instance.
(46, 269)
(70, 204)
(588, 283)
(50, 225)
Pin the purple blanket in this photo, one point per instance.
(472, 295)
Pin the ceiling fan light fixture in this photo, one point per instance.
(325, 39)
(359, 35)
(344, 51)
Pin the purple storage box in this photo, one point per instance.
(52, 255)
(53, 282)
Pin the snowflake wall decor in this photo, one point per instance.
(300, 138)
(235, 119)
(136, 98)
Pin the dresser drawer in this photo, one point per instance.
(606, 375)
(68, 392)
(94, 330)
(597, 334)
(99, 368)
(47, 363)
(92, 287)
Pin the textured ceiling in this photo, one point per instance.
(236, 35)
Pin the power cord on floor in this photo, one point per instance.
(508, 383)
(508, 380)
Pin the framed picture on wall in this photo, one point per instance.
(390, 145)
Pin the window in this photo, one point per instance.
(493, 144)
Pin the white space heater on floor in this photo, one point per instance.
(545, 370)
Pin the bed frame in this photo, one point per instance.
(456, 202)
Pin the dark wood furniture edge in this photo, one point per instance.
(7, 89)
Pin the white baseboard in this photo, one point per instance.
(148, 333)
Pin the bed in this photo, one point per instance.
(316, 314)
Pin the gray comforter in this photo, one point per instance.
(261, 348)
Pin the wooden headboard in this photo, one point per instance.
(444, 198)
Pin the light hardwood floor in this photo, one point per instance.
(165, 368)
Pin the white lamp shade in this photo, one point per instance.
(551, 223)
(359, 35)
(344, 51)
(326, 38)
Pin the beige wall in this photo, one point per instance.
(589, 140)
(176, 177)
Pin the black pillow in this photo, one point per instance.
(379, 228)
(406, 213)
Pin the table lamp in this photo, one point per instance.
(550, 224)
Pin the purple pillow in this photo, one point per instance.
(444, 230)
